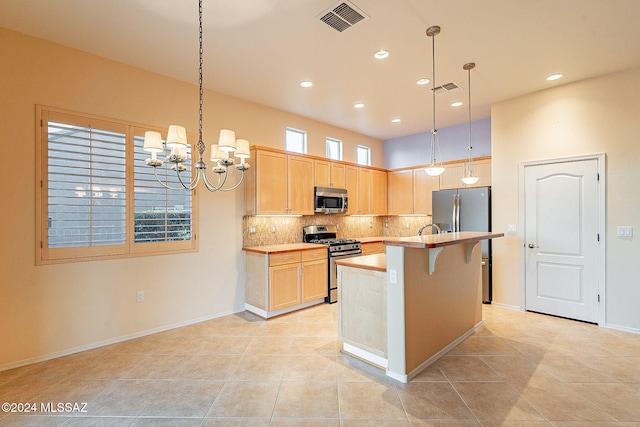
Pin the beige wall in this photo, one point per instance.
(48, 310)
(591, 116)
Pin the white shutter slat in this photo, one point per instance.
(86, 183)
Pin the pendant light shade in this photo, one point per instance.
(469, 178)
(435, 167)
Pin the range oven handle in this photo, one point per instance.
(346, 253)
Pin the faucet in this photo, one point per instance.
(435, 227)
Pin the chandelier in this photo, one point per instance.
(435, 168)
(469, 178)
(176, 143)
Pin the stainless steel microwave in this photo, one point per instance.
(330, 200)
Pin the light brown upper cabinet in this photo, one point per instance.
(410, 192)
(401, 192)
(371, 197)
(362, 196)
(378, 193)
(265, 188)
(300, 185)
(351, 184)
(423, 186)
(279, 184)
(452, 175)
(329, 174)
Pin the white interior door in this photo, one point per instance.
(561, 239)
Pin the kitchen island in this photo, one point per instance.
(404, 310)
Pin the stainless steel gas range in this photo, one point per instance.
(338, 248)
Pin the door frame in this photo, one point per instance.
(602, 197)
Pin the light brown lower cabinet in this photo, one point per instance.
(282, 282)
(284, 290)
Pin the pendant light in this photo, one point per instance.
(435, 168)
(469, 177)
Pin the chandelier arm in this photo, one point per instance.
(209, 186)
(194, 182)
(168, 187)
(235, 186)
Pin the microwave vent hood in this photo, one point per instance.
(329, 200)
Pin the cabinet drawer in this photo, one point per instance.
(284, 258)
(314, 254)
(373, 248)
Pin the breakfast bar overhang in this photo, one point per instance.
(403, 311)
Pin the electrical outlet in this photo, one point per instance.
(370, 224)
(393, 276)
(252, 229)
(140, 296)
(273, 228)
(512, 229)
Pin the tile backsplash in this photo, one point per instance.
(272, 230)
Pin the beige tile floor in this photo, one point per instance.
(519, 369)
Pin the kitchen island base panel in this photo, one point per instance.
(383, 363)
(435, 357)
(362, 301)
(430, 312)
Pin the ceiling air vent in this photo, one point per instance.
(342, 15)
(446, 88)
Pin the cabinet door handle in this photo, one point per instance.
(301, 271)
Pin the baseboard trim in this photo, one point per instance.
(509, 306)
(377, 361)
(622, 328)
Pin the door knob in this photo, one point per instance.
(531, 246)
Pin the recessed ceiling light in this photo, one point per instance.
(381, 54)
(554, 76)
(358, 105)
(423, 81)
(457, 104)
(306, 84)
(395, 120)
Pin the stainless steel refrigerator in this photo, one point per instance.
(467, 209)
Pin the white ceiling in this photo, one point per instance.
(260, 50)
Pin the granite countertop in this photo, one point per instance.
(440, 240)
(376, 262)
(286, 247)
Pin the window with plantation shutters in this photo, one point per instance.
(98, 199)
(161, 214)
(86, 182)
